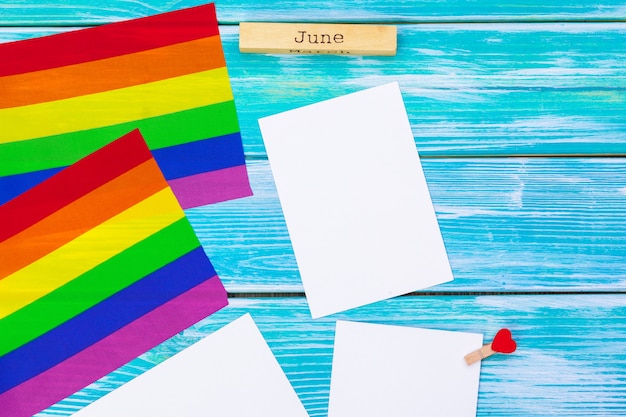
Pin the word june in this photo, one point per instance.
(318, 39)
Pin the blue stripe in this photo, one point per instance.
(104, 318)
(201, 156)
(178, 161)
(13, 185)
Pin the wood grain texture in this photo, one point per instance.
(470, 89)
(316, 38)
(569, 362)
(515, 224)
(47, 12)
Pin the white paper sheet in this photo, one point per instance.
(230, 373)
(381, 370)
(355, 200)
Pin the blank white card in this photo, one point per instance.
(230, 373)
(355, 200)
(382, 370)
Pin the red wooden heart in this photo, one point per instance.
(503, 342)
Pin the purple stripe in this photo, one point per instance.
(212, 187)
(105, 318)
(115, 350)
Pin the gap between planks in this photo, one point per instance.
(495, 21)
(433, 294)
(263, 157)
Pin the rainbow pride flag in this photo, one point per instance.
(98, 264)
(67, 95)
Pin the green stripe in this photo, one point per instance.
(159, 132)
(96, 285)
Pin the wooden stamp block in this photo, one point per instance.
(311, 38)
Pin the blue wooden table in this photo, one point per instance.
(519, 113)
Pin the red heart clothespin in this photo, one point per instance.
(502, 343)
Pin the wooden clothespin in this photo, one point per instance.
(502, 343)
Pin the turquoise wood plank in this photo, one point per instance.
(570, 359)
(514, 224)
(470, 90)
(47, 12)
(18, 34)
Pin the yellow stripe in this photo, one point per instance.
(88, 250)
(115, 106)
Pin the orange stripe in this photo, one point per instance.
(111, 73)
(80, 216)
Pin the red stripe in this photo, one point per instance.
(108, 40)
(72, 183)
